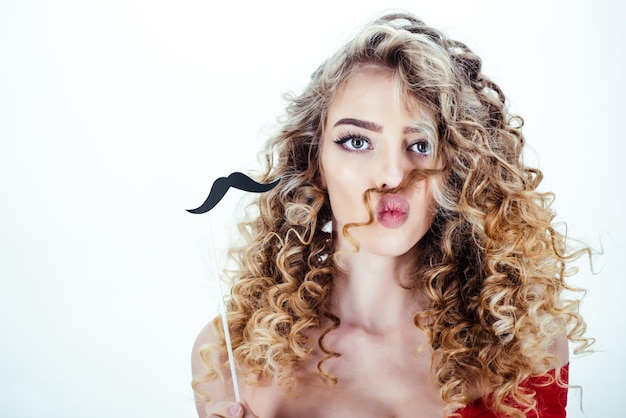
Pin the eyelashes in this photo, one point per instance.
(356, 142)
(353, 142)
(422, 147)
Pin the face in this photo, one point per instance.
(372, 139)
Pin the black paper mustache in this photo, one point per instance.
(238, 181)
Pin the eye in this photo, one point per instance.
(422, 147)
(353, 142)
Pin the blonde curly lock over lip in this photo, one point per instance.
(492, 267)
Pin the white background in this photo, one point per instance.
(116, 116)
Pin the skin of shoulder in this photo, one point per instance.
(560, 348)
(216, 389)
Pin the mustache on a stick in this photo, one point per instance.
(238, 181)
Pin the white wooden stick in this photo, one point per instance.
(222, 307)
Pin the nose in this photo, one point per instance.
(392, 169)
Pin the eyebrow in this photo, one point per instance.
(370, 126)
(416, 129)
(374, 127)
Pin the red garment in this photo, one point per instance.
(551, 399)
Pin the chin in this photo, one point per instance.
(388, 248)
(390, 252)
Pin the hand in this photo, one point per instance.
(228, 409)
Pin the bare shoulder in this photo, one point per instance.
(560, 349)
(206, 336)
(204, 388)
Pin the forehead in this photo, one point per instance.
(374, 89)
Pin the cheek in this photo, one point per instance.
(337, 177)
(340, 193)
(321, 177)
(425, 204)
(431, 207)
(345, 191)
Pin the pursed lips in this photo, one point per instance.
(392, 211)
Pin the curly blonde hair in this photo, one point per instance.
(492, 267)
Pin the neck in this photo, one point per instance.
(370, 295)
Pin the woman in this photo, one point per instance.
(406, 264)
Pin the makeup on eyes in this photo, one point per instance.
(356, 142)
(421, 144)
(353, 142)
